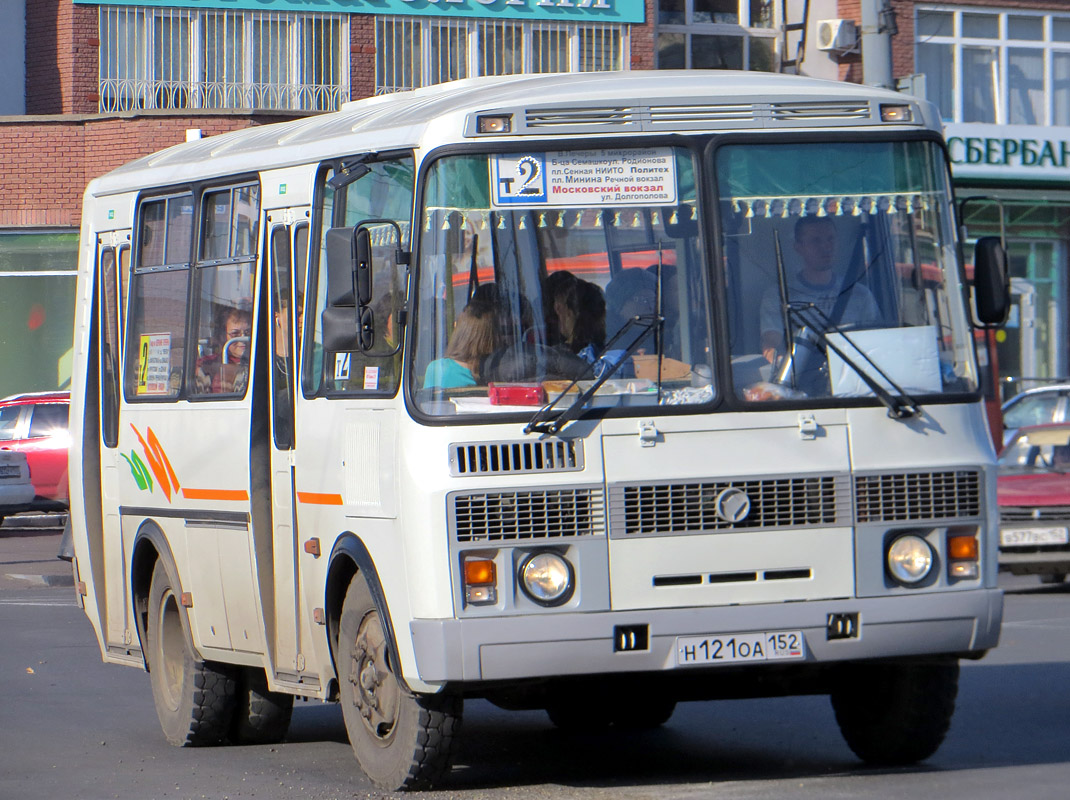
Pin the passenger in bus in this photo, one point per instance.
(631, 294)
(475, 336)
(221, 372)
(818, 283)
(576, 316)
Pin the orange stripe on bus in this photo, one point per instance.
(214, 494)
(319, 499)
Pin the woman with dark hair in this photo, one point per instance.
(222, 372)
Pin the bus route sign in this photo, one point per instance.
(607, 177)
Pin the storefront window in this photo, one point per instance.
(37, 309)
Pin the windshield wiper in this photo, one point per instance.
(539, 424)
(900, 405)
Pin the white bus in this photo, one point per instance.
(589, 393)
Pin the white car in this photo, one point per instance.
(16, 491)
(1037, 406)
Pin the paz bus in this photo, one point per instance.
(518, 389)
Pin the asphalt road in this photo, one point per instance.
(73, 727)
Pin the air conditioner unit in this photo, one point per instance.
(836, 35)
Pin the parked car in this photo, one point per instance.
(1037, 406)
(1034, 502)
(16, 490)
(36, 424)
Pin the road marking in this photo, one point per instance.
(40, 602)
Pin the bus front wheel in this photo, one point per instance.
(194, 699)
(401, 740)
(896, 713)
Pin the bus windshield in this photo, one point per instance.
(542, 272)
(840, 259)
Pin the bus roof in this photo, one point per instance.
(608, 103)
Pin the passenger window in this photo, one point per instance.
(225, 291)
(155, 351)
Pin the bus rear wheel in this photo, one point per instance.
(261, 716)
(194, 698)
(401, 740)
(893, 714)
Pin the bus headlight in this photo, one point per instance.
(909, 559)
(547, 578)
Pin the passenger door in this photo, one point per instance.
(113, 280)
(287, 255)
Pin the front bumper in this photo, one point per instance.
(545, 645)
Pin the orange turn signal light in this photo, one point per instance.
(479, 572)
(962, 548)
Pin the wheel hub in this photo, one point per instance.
(376, 694)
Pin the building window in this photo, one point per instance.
(39, 273)
(412, 52)
(187, 58)
(716, 34)
(1003, 68)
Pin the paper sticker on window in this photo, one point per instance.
(609, 177)
(371, 379)
(341, 366)
(154, 363)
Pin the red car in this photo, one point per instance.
(1034, 502)
(36, 424)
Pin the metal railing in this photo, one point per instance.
(189, 58)
(412, 52)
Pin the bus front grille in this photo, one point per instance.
(681, 508)
(499, 458)
(912, 496)
(523, 515)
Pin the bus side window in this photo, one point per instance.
(224, 281)
(109, 348)
(383, 192)
(156, 333)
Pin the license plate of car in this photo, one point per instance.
(1034, 536)
(10, 471)
(736, 647)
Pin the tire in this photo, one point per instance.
(401, 740)
(194, 699)
(896, 713)
(260, 715)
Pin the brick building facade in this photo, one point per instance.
(65, 137)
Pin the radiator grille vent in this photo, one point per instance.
(521, 515)
(693, 507)
(499, 458)
(549, 118)
(917, 496)
(827, 110)
(1031, 514)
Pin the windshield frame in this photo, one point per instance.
(694, 146)
(703, 148)
(729, 399)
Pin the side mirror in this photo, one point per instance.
(991, 281)
(348, 320)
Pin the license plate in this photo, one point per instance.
(10, 471)
(737, 647)
(1034, 536)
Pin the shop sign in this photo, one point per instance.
(1009, 151)
(623, 11)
